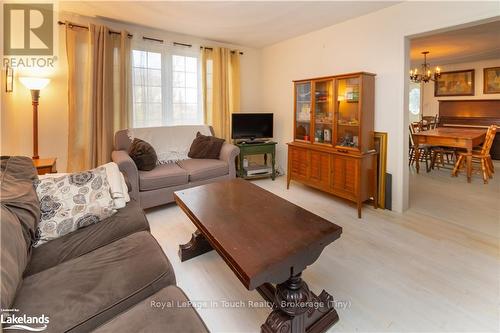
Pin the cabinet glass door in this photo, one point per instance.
(323, 111)
(347, 117)
(303, 111)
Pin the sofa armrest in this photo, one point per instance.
(127, 182)
(228, 154)
(129, 169)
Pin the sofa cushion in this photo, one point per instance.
(81, 294)
(18, 194)
(14, 256)
(72, 201)
(150, 316)
(19, 215)
(126, 221)
(205, 146)
(201, 169)
(143, 155)
(164, 175)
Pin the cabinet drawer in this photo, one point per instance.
(297, 158)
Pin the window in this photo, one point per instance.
(414, 102)
(147, 89)
(185, 90)
(166, 88)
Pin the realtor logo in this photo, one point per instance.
(28, 29)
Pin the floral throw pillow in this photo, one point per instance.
(71, 202)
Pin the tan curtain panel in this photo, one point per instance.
(221, 88)
(98, 93)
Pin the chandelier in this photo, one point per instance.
(426, 74)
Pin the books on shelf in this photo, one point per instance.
(353, 122)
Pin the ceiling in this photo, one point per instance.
(480, 42)
(254, 24)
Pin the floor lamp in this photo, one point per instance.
(35, 84)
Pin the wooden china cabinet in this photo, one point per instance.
(333, 148)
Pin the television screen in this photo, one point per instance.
(252, 125)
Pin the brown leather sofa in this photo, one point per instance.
(105, 277)
(156, 187)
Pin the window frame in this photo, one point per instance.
(199, 94)
(167, 86)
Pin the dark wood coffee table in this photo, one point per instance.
(266, 241)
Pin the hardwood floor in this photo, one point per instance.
(434, 268)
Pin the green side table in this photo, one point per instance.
(263, 148)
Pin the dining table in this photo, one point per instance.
(457, 137)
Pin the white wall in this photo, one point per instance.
(430, 103)
(374, 43)
(16, 117)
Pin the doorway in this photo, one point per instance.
(464, 56)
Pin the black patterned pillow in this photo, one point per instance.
(71, 202)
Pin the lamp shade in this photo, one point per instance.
(34, 83)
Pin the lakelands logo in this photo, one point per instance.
(11, 321)
(29, 38)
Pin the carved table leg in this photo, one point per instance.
(297, 309)
(195, 247)
(267, 291)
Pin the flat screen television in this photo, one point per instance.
(251, 126)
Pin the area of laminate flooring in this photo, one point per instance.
(435, 268)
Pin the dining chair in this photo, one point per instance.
(434, 122)
(416, 127)
(481, 157)
(443, 156)
(429, 122)
(424, 150)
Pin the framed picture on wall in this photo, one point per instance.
(380, 141)
(491, 78)
(455, 83)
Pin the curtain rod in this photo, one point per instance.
(143, 37)
(84, 27)
(210, 48)
(129, 35)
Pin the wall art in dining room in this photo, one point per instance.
(491, 81)
(455, 83)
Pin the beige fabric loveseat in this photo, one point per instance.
(156, 187)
